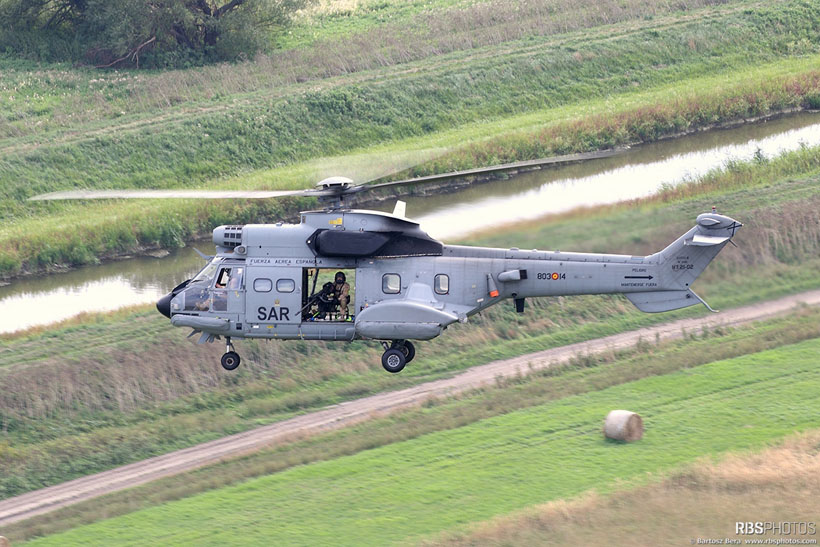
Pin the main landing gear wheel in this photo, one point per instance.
(231, 359)
(407, 348)
(393, 360)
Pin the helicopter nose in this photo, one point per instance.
(164, 305)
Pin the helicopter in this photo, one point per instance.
(263, 281)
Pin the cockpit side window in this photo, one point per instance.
(235, 283)
(223, 278)
(206, 275)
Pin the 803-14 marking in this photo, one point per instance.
(554, 276)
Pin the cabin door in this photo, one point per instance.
(274, 295)
(228, 291)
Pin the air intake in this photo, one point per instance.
(228, 236)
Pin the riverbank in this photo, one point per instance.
(103, 240)
(460, 213)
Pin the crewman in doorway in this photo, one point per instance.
(341, 290)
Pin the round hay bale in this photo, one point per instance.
(4, 542)
(623, 425)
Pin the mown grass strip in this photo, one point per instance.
(702, 500)
(582, 375)
(497, 465)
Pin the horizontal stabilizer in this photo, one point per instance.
(659, 301)
(704, 241)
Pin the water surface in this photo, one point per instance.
(639, 172)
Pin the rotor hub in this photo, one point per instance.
(339, 184)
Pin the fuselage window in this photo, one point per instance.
(262, 285)
(285, 285)
(391, 283)
(442, 284)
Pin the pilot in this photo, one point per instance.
(202, 300)
(341, 291)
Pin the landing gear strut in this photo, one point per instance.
(398, 354)
(231, 359)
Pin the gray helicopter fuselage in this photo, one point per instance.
(407, 285)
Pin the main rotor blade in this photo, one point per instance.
(173, 194)
(556, 160)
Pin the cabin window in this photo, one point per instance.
(262, 285)
(285, 285)
(442, 284)
(391, 283)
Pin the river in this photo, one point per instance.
(638, 172)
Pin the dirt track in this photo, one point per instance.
(48, 499)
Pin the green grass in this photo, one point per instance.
(127, 386)
(448, 479)
(44, 97)
(582, 375)
(527, 94)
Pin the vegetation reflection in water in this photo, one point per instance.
(639, 172)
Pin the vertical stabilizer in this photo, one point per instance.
(683, 261)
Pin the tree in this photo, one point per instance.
(122, 32)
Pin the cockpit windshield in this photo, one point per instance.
(206, 275)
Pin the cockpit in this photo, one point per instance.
(208, 290)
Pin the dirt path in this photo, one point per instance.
(337, 416)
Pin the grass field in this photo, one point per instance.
(583, 375)
(126, 386)
(408, 490)
(586, 87)
(703, 500)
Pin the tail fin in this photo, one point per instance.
(683, 261)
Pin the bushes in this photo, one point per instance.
(10, 264)
(166, 33)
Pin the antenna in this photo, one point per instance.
(400, 210)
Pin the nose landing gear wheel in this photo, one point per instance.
(393, 360)
(230, 360)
